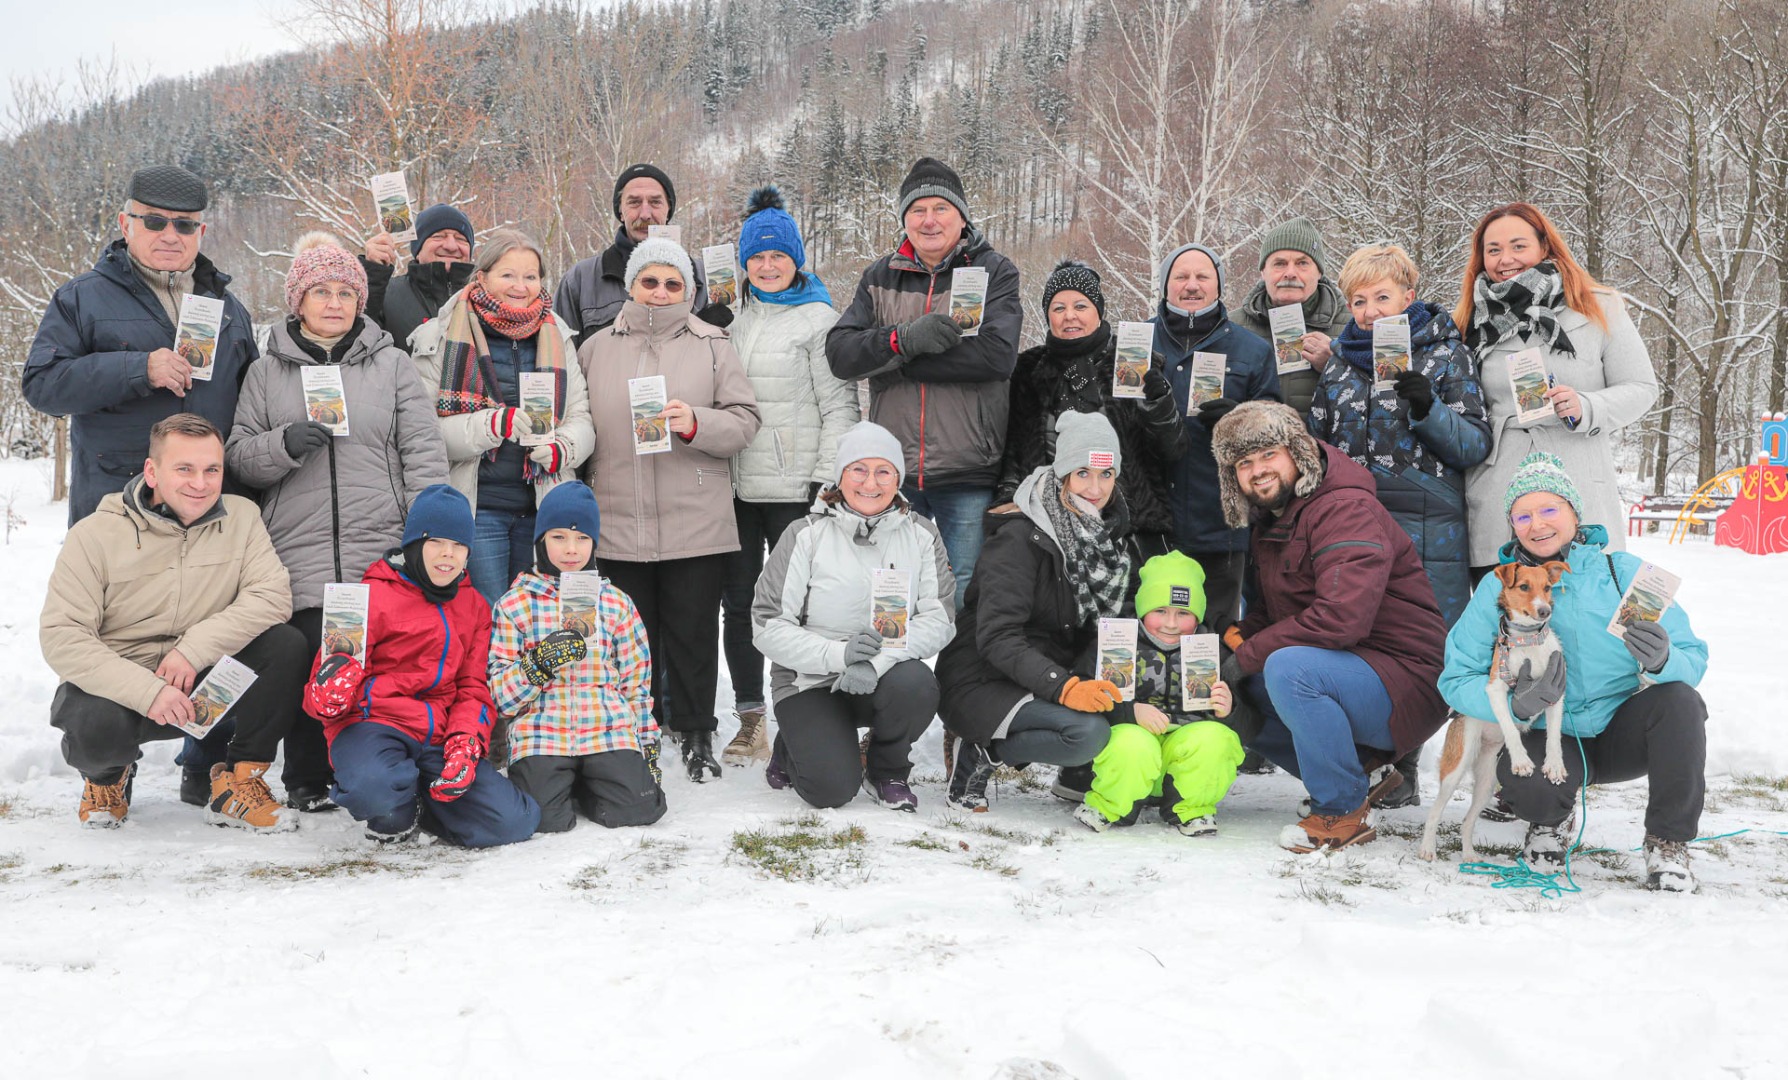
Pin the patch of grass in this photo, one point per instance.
(993, 862)
(1021, 837)
(1612, 861)
(802, 849)
(9, 863)
(656, 856)
(1320, 892)
(925, 841)
(5, 808)
(1763, 782)
(1362, 874)
(590, 877)
(346, 866)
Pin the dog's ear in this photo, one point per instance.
(1506, 573)
(1556, 570)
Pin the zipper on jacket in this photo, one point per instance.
(929, 290)
(334, 511)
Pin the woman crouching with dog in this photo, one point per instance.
(1630, 702)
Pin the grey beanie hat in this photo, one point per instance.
(1173, 256)
(657, 251)
(1294, 235)
(1086, 440)
(867, 439)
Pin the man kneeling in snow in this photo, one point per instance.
(165, 579)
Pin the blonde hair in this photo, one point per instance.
(1376, 262)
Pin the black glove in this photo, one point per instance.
(927, 334)
(863, 645)
(716, 315)
(1414, 387)
(305, 437)
(1216, 409)
(1534, 694)
(1649, 643)
(1155, 385)
(561, 647)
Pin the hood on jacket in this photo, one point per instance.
(1251, 427)
(367, 344)
(662, 323)
(133, 506)
(1166, 268)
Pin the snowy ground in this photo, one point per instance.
(1011, 944)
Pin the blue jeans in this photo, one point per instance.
(1052, 734)
(382, 776)
(958, 511)
(1320, 705)
(502, 547)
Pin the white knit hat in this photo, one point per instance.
(658, 251)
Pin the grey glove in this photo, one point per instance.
(1649, 643)
(859, 678)
(927, 334)
(305, 437)
(1534, 694)
(862, 646)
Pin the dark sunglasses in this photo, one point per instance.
(185, 226)
(671, 285)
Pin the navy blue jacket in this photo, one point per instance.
(1252, 374)
(90, 362)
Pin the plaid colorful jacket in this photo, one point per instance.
(602, 702)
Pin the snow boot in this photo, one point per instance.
(1072, 782)
(1667, 865)
(1326, 831)
(698, 755)
(195, 785)
(1406, 791)
(105, 806)
(1256, 765)
(892, 794)
(776, 772)
(385, 839)
(1545, 846)
(752, 743)
(310, 799)
(968, 779)
(240, 798)
(1087, 814)
(1199, 826)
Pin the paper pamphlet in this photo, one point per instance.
(1648, 596)
(324, 400)
(579, 591)
(1390, 350)
(391, 199)
(1135, 347)
(968, 298)
(721, 263)
(673, 233)
(344, 619)
(1287, 324)
(1208, 372)
(539, 389)
(890, 605)
(1199, 661)
(1117, 655)
(195, 339)
(1528, 379)
(211, 699)
(651, 431)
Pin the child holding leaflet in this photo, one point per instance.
(581, 736)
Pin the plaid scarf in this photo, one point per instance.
(1098, 560)
(468, 382)
(1524, 304)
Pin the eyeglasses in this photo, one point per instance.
(323, 294)
(185, 226)
(861, 473)
(1547, 514)
(671, 285)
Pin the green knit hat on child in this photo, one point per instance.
(1171, 580)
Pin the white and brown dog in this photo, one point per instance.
(1472, 744)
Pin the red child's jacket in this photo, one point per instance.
(425, 672)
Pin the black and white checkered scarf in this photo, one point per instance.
(1526, 304)
(1092, 545)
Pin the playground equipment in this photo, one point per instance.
(1757, 520)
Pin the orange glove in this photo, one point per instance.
(1232, 637)
(1090, 695)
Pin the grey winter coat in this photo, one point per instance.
(815, 593)
(339, 509)
(1325, 312)
(803, 406)
(1612, 374)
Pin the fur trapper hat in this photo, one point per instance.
(1251, 427)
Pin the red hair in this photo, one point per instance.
(1578, 285)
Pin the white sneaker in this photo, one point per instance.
(1667, 866)
(1199, 826)
(1087, 815)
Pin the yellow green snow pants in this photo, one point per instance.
(1202, 758)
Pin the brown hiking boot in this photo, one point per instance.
(752, 743)
(1323, 831)
(105, 806)
(239, 797)
(949, 752)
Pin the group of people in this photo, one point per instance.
(1329, 529)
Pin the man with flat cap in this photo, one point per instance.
(591, 294)
(104, 353)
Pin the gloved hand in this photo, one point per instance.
(716, 315)
(1232, 637)
(858, 678)
(334, 686)
(1414, 387)
(559, 648)
(458, 767)
(927, 334)
(863, 645)
(1216, 409)
(1090, 695)
(549, 456)
(1155, 385)
(1649, 643)
(305, 437)
(1534, 694)
(510, 424)
(648, 749)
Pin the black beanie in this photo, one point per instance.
(650, 172)
(1073, 276)
(930, 178)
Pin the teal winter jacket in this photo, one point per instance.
(1599, 672)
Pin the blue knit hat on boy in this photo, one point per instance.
(439, 513)
(571, 505)
(1540, 471)
(769, 228)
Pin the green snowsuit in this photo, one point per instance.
(1200, 754)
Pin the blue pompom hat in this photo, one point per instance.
(769, 228)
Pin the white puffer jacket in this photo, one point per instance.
(805, 408)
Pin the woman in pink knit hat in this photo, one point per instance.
(336, 431)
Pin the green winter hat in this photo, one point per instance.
(1540, 471)
(1294, 235)
(1171, 580)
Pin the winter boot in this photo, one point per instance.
(698, 755)
(1199, 826)
(1255, 765)
(1089, 815)
(310, 799)
(239, 797)
(1384, 780)
(949, 751)
(752, 743)
(892, 794)
(195, 785)
(105, 806)
(1667, 865)
(1545, 846)
(1323, 831)
(392, 839)
(1072, 782)
(776, 772)
(1406, 791)
(968, 780)
(1499, 809)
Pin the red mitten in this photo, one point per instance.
(333, 686)
(459, 766)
